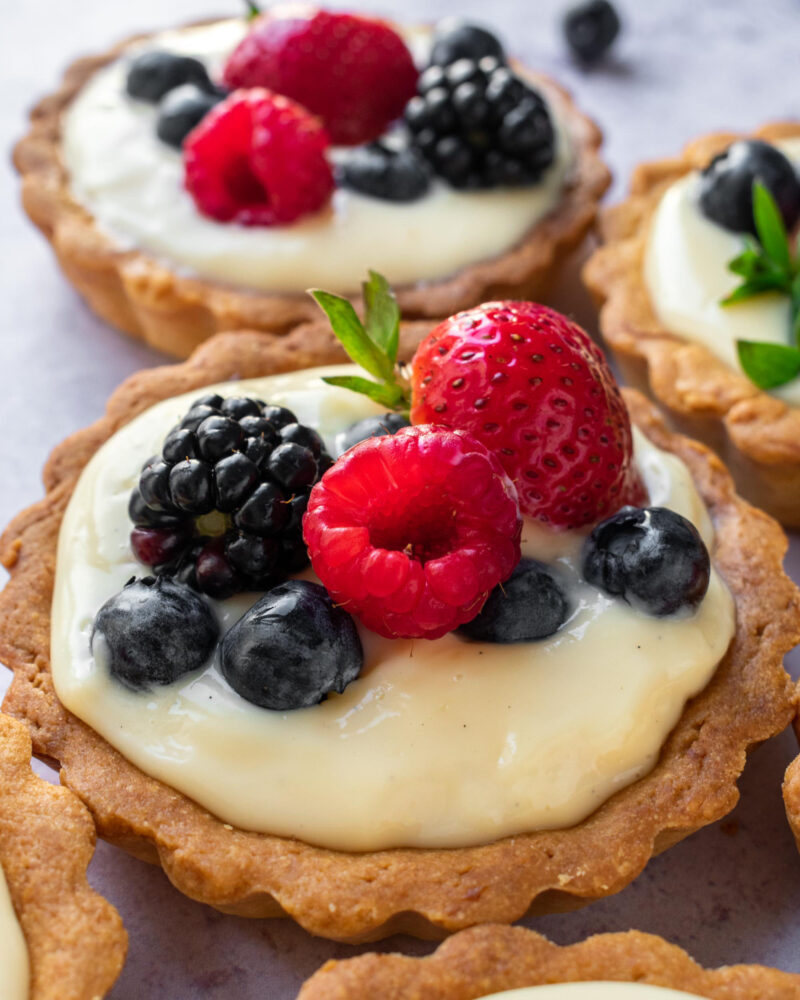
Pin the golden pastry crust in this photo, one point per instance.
(756, 435)
(76, 941)
(490, 959)
(360, 897)
(791, 784)
(147, 299)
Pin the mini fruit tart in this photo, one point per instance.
(384, 740)
(493, 962)
(201, 179)
(698, 279)
(59, 940)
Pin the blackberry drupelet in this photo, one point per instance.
(221, 508)
(480, 125)
(455, 39)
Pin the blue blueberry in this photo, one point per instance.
(154, 631)
(153, 74)
(590, 29)
(530, 605)
(380, 426)
(292, 648)
(651, 557)
(181, 110)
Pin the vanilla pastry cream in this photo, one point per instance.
(438, 743)
(132, 184)
(686, 272)
(593, 991)
(14, 964)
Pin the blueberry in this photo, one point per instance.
(380, 426)
(181, 110)
(379, 172)
(153, 74)
(590, 29)
(154, 631)
(455, 39)
(191, 487)
(726, 185)
(292, 648)
(652, 557)
(530, 605)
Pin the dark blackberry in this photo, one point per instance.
(479, 125)
(590, 29)
(381, 171)
(153, 74)
(455, 39)
(181, 110)
(221, 508)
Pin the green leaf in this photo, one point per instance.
(382, 314)
(770, 227)
(768, 365)
(746, 264)
(754, 286)
(354, 338)
(390, 396)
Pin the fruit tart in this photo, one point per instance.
(517, 964)
(59, 940)
(698, 280)
(201, 179)
(319, 662)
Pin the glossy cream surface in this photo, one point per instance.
(133, 186)
(592, 991)
(14, 964)
(686, 271)
(437, 743)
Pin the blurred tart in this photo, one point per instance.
(683, 242)
(173, 235)
(58, 938)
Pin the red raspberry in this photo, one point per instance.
(354, 72)
(530, 385)
(258, 159)
(411, 532)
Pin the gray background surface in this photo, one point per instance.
(728, 894)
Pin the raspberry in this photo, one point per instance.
(410, 532)
(532, 387)
(257, 159)
(355, 73)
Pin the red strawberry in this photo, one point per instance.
(356, 73)
(258, 159)
(531, 386)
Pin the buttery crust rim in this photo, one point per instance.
(490, 959)
(360, 897)
(76, 941)
(757, 435)
(791, 785)
(147, 299)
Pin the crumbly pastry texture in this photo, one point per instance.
(791, 785)
(757, 435)
(361, 897)
(148, 299)
(491, 959)
(76, 941)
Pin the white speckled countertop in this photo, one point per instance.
(728, 894)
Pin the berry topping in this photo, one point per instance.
(153, 74)
(479, 125)
(182, 109)
(221, 507)
(292, 648)
(386, 423)
(590, 29)
(258, 159)
(529, 605)
(455, 39)
(726, 185)
(154, 631)
(356, 73)
(410, 532)
(380, 171)
(652, 557)
(534, 389)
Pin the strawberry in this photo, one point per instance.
(355, 73)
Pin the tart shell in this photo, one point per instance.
(76, 941)
(791, 785)
(490, 959)
(145, 297)
(427, 893)
(757, 435)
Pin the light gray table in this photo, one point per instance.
(728, 894)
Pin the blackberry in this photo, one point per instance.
(382, 171)
(480, 125)
(590, 29)
(153, 74)
(221, 508)
(181, 110)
